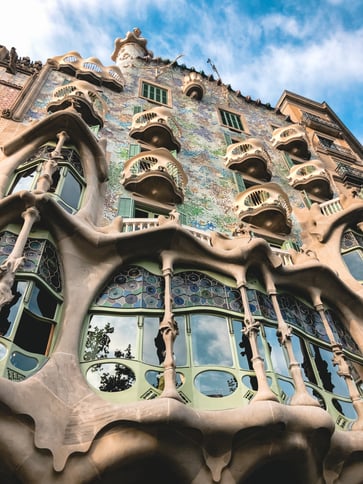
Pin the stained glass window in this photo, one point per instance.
(192, 288)
(133, 287)
(40, 258)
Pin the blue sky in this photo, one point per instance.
(260, 47)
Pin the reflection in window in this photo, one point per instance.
(156, 379)
(277, 356)
(9, 311)
(111, 377)
(345, 408)
(354, 262)
(153, 345)
(215, 384)
(328, 372)
(210, 340)
(111, 337)
(302, 356)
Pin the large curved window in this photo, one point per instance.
(213, 353)
(68, 182)
(28, 322)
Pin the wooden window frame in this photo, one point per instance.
(161, 102)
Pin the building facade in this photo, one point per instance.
(181, 276)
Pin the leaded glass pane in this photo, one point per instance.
(266, 306)
(348, 240)
(302, 316)
(191, 289)
(49, 267)
(32, 252)
(133, 287)
(341, 334)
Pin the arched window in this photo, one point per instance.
(122, 350)
(68, 182)
(28, 322)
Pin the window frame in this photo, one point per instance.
(234, 113)
(64, 167)
(160, 87)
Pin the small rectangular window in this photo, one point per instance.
(230, 119)
(155, 93)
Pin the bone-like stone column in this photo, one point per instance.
(49, 167)
(251, 330)
(16, 258)
(340, 361)
(301, 395)
(169, 331)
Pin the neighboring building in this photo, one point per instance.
(181, 278)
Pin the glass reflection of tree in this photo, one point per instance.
(98, 342)
(98, 347)
(122, 379)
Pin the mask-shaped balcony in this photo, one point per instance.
(83, 98)
(249, 157)
(155, 127)
(193, 86)
(265, 206)
(157, 175)
(291, 139)
(311, 177)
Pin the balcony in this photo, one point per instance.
(193, 86)
(291, 139)
(155, 127)
(83, 98)
(311, 177)
(156, 175)
(136, 224)
(265, 206)
(91, 70)
(249, 157)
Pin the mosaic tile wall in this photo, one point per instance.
(211, 190)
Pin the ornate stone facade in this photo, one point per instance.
(179, 300)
